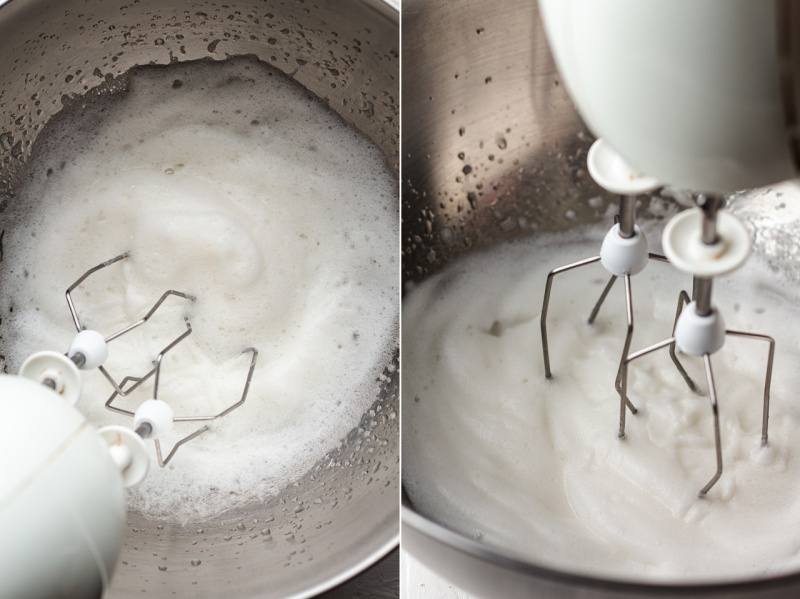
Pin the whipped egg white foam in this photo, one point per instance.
(534, 467)
(232, 183)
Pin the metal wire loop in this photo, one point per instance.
(119, 388)
(156, 371)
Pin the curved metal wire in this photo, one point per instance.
(164, 461)
(139, 380)
(623, 390)
(157, 372)
(83, 277)
(119, 388)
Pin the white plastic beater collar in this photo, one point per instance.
(92, 345)
(57, 368)
(624, 256)
(699, 335)
(613, 173)
(128, 452)
(685, 249)
(157, 414)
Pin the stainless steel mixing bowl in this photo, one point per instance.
(342, 515)
(493, 149)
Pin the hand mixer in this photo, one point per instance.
(702, 242)
(705, 97)
(69, 477)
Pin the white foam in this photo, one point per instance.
(239, 187)
(535, 468)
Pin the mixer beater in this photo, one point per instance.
(155, 417)
(89, 349)
(702, 242)
(705, 243)
(69, 477)
(624, 252)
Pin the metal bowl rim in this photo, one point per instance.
(352, 571)
(474, 549)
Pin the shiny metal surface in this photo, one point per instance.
(493, 149)
(342, 515)
(788, 29)
(492, 146)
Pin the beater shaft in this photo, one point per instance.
(627, 216)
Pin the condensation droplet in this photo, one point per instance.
(446, 234)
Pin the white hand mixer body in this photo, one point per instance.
(701, 95)
(62, 500)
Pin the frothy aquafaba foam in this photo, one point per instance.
(231, 182)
